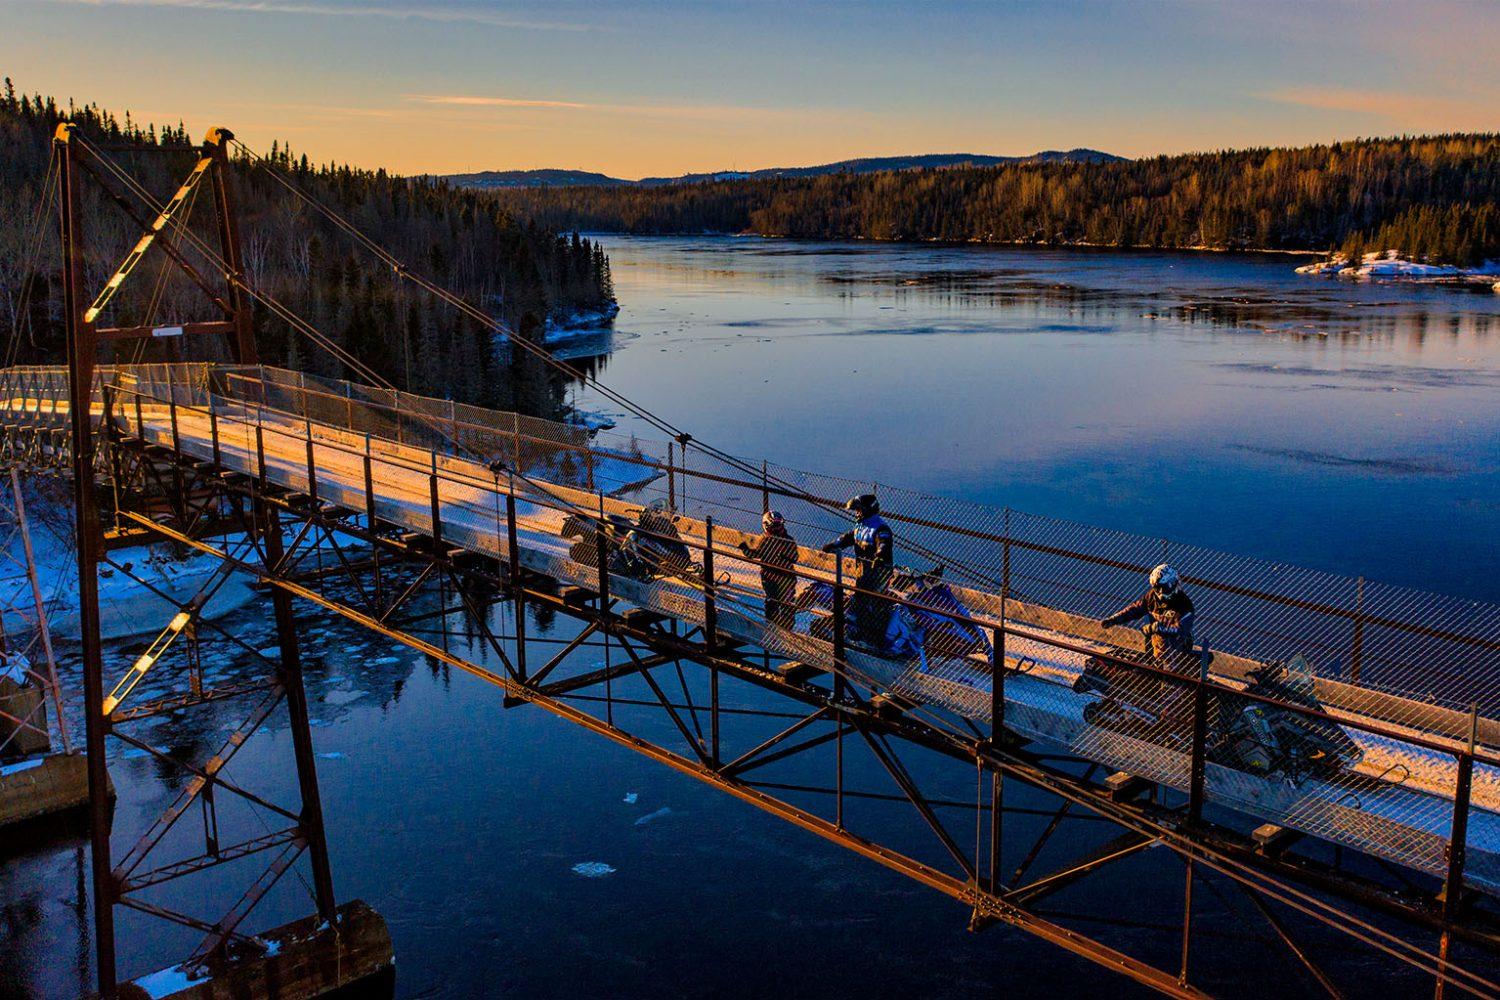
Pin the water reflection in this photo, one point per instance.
(1214, 398)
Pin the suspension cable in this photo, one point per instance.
(28, 281)
(499, 326)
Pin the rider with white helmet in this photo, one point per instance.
(1171, 612)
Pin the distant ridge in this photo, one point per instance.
(549, 178)
(1434, 198)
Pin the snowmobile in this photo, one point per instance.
(1244, 734)
(644, 544)
(929, 629)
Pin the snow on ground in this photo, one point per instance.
(1389, 265)
(578, 323)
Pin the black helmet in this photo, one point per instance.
(863, 505)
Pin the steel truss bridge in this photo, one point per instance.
(411, 500)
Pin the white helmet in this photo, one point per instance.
(1165, 579)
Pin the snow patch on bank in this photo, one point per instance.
(577, 324)
(1389, 265)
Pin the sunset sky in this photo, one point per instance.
(634, 88)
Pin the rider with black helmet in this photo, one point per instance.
(874, 547)
(776, 553)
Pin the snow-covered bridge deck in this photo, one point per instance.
(1396, 804)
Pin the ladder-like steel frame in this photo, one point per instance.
(116, 886)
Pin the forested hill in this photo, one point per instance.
(523, 272)
(1309, 198)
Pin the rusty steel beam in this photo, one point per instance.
(1148, 818)
(963, 890)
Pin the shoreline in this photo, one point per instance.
(1414, 274)
(974, 241)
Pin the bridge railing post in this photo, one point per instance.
(710, 636)
(997, 736)
(437, 510)
(178, 484)
(1457, 850)
(517, 585)
(172, 413)
(601, 542)
(515, 423)
(671, 475)
(213, 433)
(260, 459)
(839, 644)
(312, 465)
(370, 522)
(1197, 767)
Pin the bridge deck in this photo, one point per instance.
(1397, 804)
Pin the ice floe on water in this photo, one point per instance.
(592, 869)
(630, 798)
(661, 813)
(331, 755)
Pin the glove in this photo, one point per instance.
(830, 547)
(1109, 622)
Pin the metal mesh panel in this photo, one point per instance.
(1402, 681)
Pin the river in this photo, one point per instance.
(1217, 399)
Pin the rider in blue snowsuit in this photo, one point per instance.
(874, 547)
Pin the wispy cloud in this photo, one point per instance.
(440, 13)
(501, 102)
(716, 112)
(1398, 107)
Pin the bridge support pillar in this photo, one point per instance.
(309, 958)
(43, 788)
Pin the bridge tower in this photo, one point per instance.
(334, 934)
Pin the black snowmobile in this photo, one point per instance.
(1244, 734)
(643, 545)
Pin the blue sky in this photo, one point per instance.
(634, 88)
